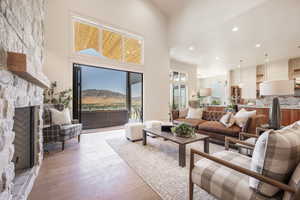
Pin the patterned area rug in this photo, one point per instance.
(157, 164)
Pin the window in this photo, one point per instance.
(105, 97)
(112, 45)
(133, 50)
(107, 42)
(179, 90)
(86, 39)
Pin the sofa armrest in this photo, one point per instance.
(253, 122)
(229, 140)
(242, 170)
(243, 135)
(174, 114)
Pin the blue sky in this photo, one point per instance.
(106, 79)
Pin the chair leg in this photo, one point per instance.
(78, 138)
(191, 190)
(63, 146)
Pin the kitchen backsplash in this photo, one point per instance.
(288, 101)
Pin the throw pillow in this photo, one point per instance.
(183, 113)
(276, 155)
(195, 113)
(60, 117)
(242, 117)
(226, 120)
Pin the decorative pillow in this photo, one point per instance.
(183, 113)
(227, 120)
(242, 117)
(60, 117)
(276, 155)
(295, 183)
(195, 113)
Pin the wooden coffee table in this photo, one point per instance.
(179, 140)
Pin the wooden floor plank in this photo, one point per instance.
(90, 170)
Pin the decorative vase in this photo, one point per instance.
(275, 115)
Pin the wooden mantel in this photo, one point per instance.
(17, 64)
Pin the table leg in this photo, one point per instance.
(182, 155)
(206, 145)
(144, 137)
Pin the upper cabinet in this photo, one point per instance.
(294, 70)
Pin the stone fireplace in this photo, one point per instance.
(21, 95)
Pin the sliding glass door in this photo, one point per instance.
(135, 96)
(105, 97)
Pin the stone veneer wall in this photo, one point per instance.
(21, 30)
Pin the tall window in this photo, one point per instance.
(178, 90)
(104, 97)
(105, 42)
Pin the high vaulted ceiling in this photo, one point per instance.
(207, 26)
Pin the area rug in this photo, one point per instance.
(157, 164)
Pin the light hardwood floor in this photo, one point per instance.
(90, 170)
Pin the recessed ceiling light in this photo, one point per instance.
(191, 48)
(217, 58)
(258, 45)
(235, 29)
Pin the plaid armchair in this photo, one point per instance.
(274, 174)
(59, 133)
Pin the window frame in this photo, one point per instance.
(101, 27)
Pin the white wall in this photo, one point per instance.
(248, 80)
(135, 16)
(277, 70)
(191, 71)
(218, 85)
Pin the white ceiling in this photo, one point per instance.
(207, 25)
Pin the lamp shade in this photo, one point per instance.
(277, 88)
(205, 92)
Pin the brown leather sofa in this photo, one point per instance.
(210, 125)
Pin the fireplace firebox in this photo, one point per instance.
(26, 132)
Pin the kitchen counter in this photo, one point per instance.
(262, 106)
(259, 106)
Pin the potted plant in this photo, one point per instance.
(51, 96)
(183, 130)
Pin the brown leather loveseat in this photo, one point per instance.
(210, 125)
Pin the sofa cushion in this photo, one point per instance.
(70, 130)
(242, 117)
(183, 113)
(194, 113)
(276, 155)
(212, 115)
(191, 122)
(60, 117)
(218, 127)
(227, 120)
(222, 182)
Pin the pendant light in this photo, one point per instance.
(266, 67)
(240, 74)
